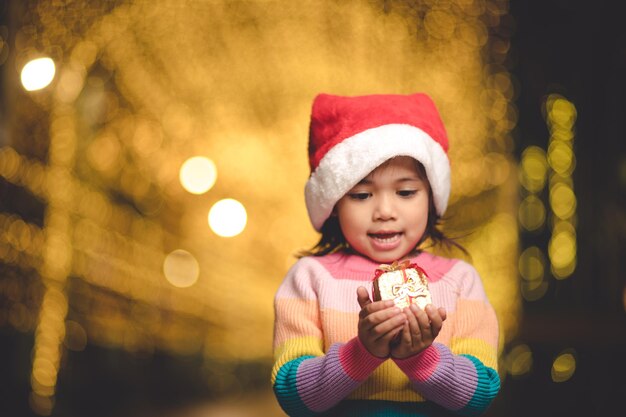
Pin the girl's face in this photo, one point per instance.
(385, 215)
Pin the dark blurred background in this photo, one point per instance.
(102, 309)
(576, 49)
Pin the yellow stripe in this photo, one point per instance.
(389, 383)
(295, 348)
(482, 350)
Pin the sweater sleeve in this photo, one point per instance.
(462, 377)
(306, 380)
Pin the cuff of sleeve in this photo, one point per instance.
(419, 367)
(357, 361)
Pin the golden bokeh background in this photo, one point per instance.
(116, 249)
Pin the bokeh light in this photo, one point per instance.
(555, 169)
(38, 74)
(534, 169)
(564, 366)
(534, 290)
(228, 217)
(519, 360)
(562, 250)
(532, 264)
(560, 116)
(561, 112)
(561, 157)
(562, 200)
(532, 213)
(198, 174)
(181, 268)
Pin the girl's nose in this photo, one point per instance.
(384, 209)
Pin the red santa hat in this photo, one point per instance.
(350, 136)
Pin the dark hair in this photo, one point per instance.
(333, 240)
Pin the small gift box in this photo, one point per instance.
(403, 282)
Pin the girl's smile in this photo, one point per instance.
(384, 216)
(385, 240)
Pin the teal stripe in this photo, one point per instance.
(286, 390)
(486, 389)
(380, 408)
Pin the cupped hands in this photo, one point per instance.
(385, 330)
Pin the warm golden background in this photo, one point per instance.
(103, 248)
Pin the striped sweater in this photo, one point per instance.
(321, 367)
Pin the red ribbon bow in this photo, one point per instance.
(395, 266)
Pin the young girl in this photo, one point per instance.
(380, 181)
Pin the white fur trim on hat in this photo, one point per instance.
(354, 158)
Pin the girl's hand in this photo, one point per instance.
(420, 330)
(379, 323)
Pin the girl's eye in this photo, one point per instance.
(359, 196)
(407, 193)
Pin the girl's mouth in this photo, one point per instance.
(385, 240)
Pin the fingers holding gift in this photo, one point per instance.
(420, 330)
(423, 321)
(377, 330)
(379, 323)
(410, 341)
(436, 317)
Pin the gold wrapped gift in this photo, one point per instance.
(402, 282)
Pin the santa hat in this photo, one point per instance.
(350, 136)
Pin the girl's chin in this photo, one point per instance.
(384, 256)
(388, 258)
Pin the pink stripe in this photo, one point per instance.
(356, 361)
(421, 366)
(435, 266)
(358, 268)
(442, 295)
(352, 267)
(302, 279)
(472, 285)
(340, 295)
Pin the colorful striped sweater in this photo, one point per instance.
(321, 367)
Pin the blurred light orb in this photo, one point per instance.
(561, 157)
(198, 174)
(519, 361)
(562, 200)
(532, 213)
(561, 112)
(564, 366)
(38, 74)
(181, 268)
(562, 252)
(532, 264)
(534, 169)
(534, 290)
(228, 217)
(532, 269)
